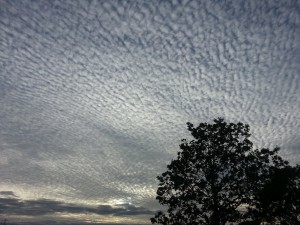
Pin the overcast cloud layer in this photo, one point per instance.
(95, 96)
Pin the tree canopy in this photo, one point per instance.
(276, 195)
(218, 177)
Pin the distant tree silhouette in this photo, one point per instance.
(218, 174)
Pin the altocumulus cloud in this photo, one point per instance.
(95, 95)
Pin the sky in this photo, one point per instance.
(95, 97)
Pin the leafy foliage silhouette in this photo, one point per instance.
(276, 197)
(218, 174)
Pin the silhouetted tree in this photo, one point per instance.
(218, 174)
(207, 183)
(276, 194)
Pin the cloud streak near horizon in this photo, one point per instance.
(10, 204)
(95, 95)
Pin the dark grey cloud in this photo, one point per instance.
(7, 193)
(53, 222)
(16, 206)
(95, 95)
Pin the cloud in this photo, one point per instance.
(95, 95)
(16, 206)
(53, 222)
(7, 193)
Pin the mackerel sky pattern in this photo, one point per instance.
(95, 96)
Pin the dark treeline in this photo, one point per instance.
(219, 178)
